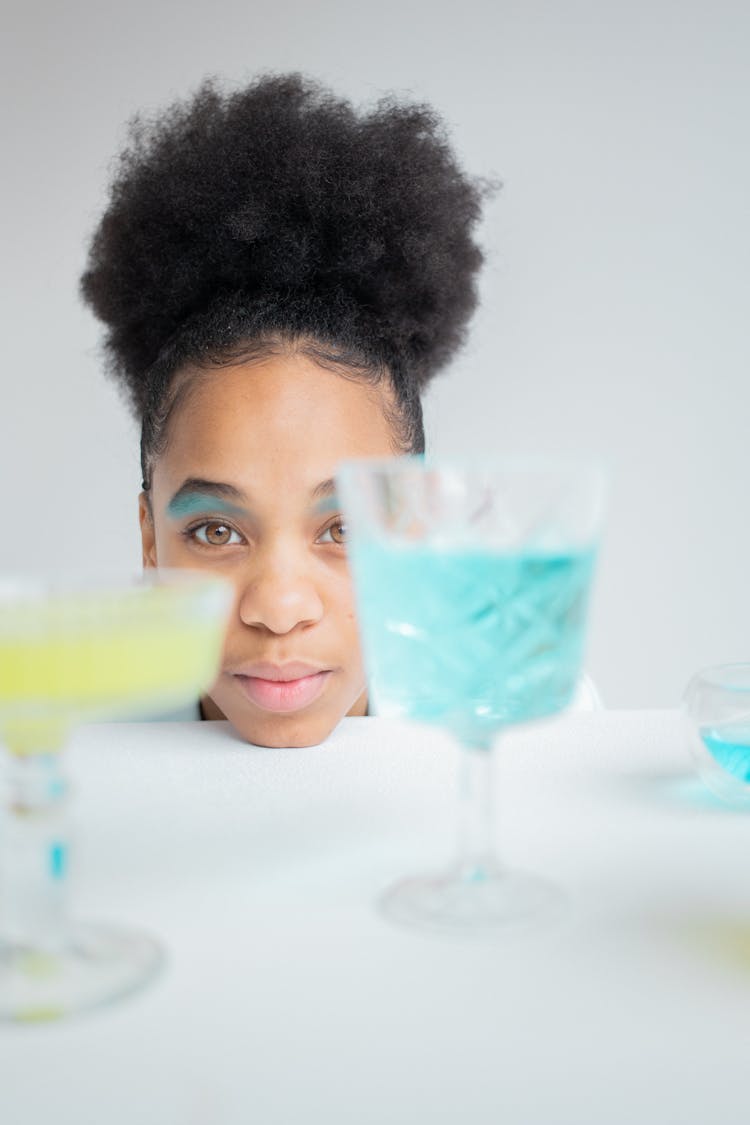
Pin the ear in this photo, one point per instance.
(148, 534)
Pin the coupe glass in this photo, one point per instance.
(472, 584)
(71, 653)
(716, 706)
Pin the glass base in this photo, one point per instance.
(96, 965)
(489, 904)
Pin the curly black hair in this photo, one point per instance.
(241, 224)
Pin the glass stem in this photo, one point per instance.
(34, 854)
(476, 851)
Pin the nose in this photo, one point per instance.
(279, 594)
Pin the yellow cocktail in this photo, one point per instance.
(68, 655)
(65, 657)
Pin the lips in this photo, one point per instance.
(281, 687)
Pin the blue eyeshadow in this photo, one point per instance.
(192, 503)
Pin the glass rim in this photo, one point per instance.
(531, 464)
(720, 675)
(101, 582)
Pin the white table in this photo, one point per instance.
(287, 999)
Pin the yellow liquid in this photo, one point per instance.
(67, 659)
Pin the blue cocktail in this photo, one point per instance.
(729, 747)
(473, 639)
(717, 712)
(472, 586)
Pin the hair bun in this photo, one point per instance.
(280, 196)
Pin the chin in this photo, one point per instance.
(308, 726)
(280, 731)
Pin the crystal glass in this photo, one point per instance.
(472, 584)
(69, 653)
(716, 707)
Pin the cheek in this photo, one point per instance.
(350, 627)
(341, 615)
(344, 600)
(168, 544)
(173, 550)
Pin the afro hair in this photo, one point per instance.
(279, 209)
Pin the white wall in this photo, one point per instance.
(615, 301)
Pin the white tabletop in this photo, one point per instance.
(286, 998)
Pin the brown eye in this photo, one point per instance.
(337, 532)
(215, 534)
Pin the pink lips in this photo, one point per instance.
(280, 688)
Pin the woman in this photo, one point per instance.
(280, 277)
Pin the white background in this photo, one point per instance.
(287, 999)
(615, 300)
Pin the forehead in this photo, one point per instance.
(281, 423)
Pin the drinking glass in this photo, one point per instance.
(69, 653)
(716, 706)
(472, 583)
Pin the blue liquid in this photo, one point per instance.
(729, 746)
(471, 639)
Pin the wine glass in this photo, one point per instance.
(472, 583)
(72, 652)
(716, 706)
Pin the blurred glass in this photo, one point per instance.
(716, 706)
(72, 652)
(472, 583)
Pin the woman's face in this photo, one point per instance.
(244, 489)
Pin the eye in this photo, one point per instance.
(215, 534)
(334, 533)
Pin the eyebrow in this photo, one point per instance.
(231, 499)
(325, 497)
(192, 492)
(324, 489)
